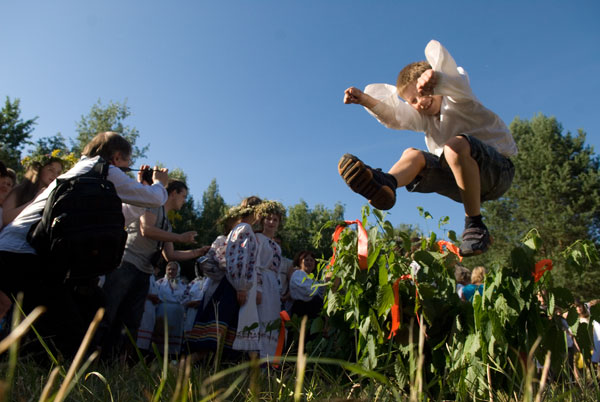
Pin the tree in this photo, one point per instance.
(556, 190)
(14, 133)
(302, 229)
(212, 209)
(46, 145)
(107, 118)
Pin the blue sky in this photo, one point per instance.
(250, 92)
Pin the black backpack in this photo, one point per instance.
(82, 230)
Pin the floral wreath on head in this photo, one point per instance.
(67, 160)
(269, 207)
(237, 211)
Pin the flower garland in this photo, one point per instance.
(67, 160)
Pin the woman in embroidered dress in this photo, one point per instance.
(171, 291)
(268, 262)
(192, 300)
(217, 321)
(307, 296)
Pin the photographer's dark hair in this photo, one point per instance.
(176, 185)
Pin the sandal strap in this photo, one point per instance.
(474, 234)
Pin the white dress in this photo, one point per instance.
(268, 263)
(171, 295)
(144, 336)
(194, 292)
(242, 274)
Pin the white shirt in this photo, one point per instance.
(461, 111)
(303, 288)
(13, 237)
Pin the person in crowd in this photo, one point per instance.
(171, 293)
(34, 276)
(216, 323)
(476, 285)
(38, 176)
(246, 279)
(8, 179)
(305, 292)
(146, 329)
(268, 262)
(463, 278)
(193, 299)
(126, 288)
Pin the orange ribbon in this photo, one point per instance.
(281, 339)
(396, 307)
(450, 247)
(363, 243)
(540, 267)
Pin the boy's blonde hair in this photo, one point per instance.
(478, 275)
(410, 74)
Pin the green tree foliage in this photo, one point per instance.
(46, 145)
(302, 229)
(556, 190)
(15, 133)
(107, 118)
(212, 208)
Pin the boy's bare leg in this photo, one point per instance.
(457, 152)
(476, 237)
(408, 167)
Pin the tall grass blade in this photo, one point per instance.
(103, 379)
(49, 384)
(65, 386)
(301, 363)
(21, 328)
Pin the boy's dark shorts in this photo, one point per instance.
(495, 170)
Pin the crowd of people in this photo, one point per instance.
(233, 304)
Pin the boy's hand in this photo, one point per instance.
(426, 83)
(355, 95)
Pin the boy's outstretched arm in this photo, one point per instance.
(355, 95)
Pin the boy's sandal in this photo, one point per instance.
(370, 183)
(475, 241)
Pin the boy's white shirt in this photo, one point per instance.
(461, 111)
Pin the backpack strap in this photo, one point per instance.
(100, 169)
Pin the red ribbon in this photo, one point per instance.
(281, 339)
(540, 267)
(450, 247)
(396, 307)
(363, 243)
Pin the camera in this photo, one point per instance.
(147, 175)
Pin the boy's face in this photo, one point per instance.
(429, 105)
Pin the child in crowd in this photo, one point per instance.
(469, 146)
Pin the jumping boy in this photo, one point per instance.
(469, 145)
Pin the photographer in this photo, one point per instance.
(126, 288)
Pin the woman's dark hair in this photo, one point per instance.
(301, 255)
(29, 186)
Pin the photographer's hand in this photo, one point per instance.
(160, 175)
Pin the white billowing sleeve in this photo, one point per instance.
(133, 192)
(452, 80)
(391, 111)
(301, 287)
